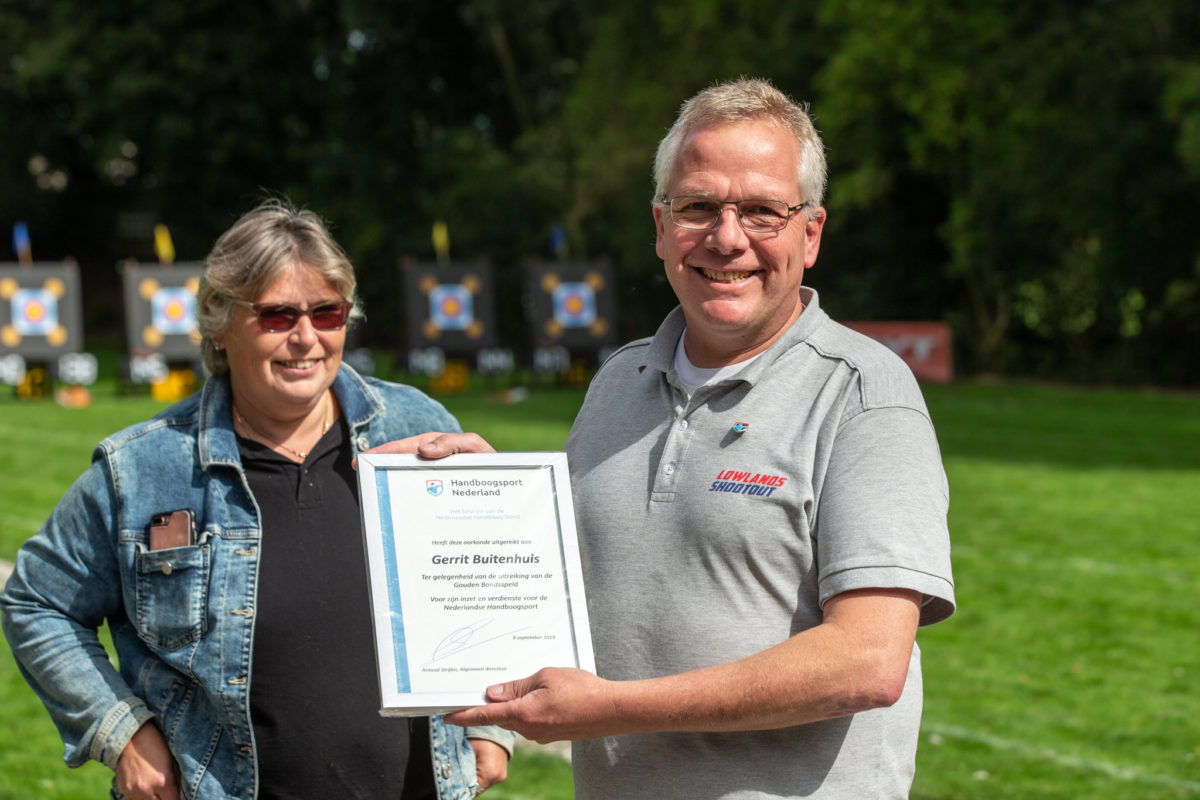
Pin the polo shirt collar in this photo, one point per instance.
(661, 353)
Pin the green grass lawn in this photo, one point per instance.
(1071, 668)
(1069, 671)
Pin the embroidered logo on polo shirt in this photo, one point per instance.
(757, 484)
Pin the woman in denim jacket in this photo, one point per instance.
(220, 540)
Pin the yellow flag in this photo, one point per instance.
(163, 247)
(441, 241)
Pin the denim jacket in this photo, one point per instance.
(182, 619)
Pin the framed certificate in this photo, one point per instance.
(474, 575)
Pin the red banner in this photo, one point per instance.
(924, 346)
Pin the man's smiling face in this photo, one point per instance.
(739, 291)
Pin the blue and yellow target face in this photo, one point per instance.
(40, 313)
(34, 312)
(574, 305)
(160, 310)
(451, 307)
(173, 311)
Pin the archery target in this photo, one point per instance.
(34, 312)
(173, 311)
(451, 307)
(574, 305)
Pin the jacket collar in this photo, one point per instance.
(218, 442)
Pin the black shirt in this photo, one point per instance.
(314, 692)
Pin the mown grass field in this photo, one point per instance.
(1070, 671)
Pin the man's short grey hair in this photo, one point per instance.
(737, 101)
(263, 244)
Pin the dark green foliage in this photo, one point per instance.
(1029, 173)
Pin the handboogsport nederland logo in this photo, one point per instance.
(757, 484)
(434, 487)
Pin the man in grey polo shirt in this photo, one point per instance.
(761, 506)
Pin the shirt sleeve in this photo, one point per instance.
(881, 516)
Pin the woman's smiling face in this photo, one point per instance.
(284, 374)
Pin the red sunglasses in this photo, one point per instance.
(279, 317)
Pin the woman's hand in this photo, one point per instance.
(436, 445)
(146, 770)
(491, 763)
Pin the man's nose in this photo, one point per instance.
(728, 234)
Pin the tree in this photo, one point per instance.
(1038, 129)
(1027, 172)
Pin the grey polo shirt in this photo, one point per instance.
(716, 527)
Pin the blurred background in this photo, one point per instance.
(1027, 173)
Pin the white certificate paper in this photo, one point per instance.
(474, 575)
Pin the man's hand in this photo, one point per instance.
(146, 770)
(491, 763)
(855, 660)
(548, 706)
(436, 445)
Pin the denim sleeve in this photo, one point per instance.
(65, 583)
(493, 734)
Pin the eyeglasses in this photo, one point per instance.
(279, 317)
(699, 213)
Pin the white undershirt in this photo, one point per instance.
(692, 377)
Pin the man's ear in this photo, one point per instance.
(812, 236)
(660, 229)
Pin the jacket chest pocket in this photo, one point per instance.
(172, 595)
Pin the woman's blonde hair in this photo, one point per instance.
(262, 245)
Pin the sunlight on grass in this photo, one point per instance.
(1069, 670)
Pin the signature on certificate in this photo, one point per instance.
(464, 638)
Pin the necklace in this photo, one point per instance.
(299, 454)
